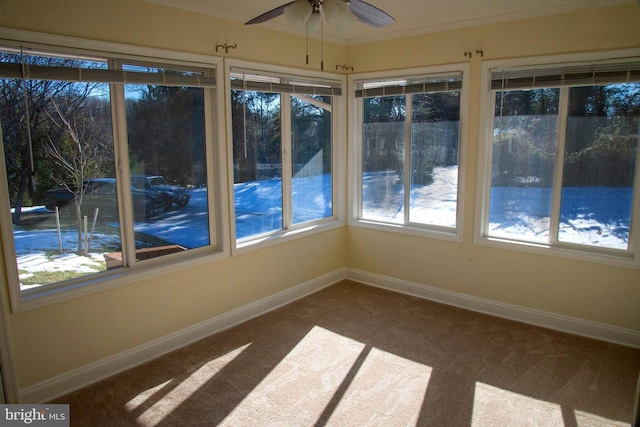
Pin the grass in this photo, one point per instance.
(45, 222)
(46, 277)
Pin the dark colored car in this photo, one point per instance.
(101, 193)
(173, 193)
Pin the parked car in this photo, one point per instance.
(101, 193)
(173, 193)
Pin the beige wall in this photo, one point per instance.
(147, 24)
(584, 31)
(584, 290)
(57, 338)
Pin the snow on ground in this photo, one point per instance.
(433, 204)
(186, 226)
(436, 203)
(592, 216)
(39, 250)
(595, 216)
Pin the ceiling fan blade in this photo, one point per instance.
(370, 14)
(268, 15)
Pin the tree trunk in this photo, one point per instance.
(22, 189)
(78, 203)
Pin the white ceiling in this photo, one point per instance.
(411, 16)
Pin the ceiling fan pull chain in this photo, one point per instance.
(26, 96)
(307, 39)
(244, 112)
(321, 40)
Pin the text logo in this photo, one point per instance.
(34, 415)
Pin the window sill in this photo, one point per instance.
(50, 294)
(450, 234)
(625, 260)
(282, 236)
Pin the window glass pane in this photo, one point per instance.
(57, 139)
(524, 147)
(167, 160)
(257, 162)
(599, 165)
(435, 127)
(311, 158)
(383, 145)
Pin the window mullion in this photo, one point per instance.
(212, 202)
(634, 232)
(356, 162)
(561, 135)
(120, 145)
(407, 156)
(286, 160)
(487, 166)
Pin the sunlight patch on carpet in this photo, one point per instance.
(387, 390)
(339, 380)
(181, 391)
(495, 406)
(585, 419)
(302, 384)
(144, 396)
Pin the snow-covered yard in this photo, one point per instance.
(433, 204)
(38, 250)
(593, 216)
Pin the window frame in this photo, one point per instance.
(216, 172)
(338, 164)
(629, 258)
(356, 118)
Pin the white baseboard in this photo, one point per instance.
(93, 372)
(96, 371)
(599, 331)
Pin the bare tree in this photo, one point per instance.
(24, 154)
(79, 155)
(25, 111)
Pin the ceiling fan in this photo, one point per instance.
(340, 13)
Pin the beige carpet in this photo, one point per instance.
(354, 355)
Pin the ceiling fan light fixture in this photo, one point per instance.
(313, 23)
(347, 20)
(338, 14)
(331, 10)
(298, 12)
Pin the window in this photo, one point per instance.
(410, 151)
(107, 166)
(562, 156)
(282, 148)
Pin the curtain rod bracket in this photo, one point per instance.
(344, 67)
(226, 47)
(478, 51)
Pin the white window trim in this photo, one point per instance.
(216, 180)
(355, 155)
(339, 165)
(483, 182)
